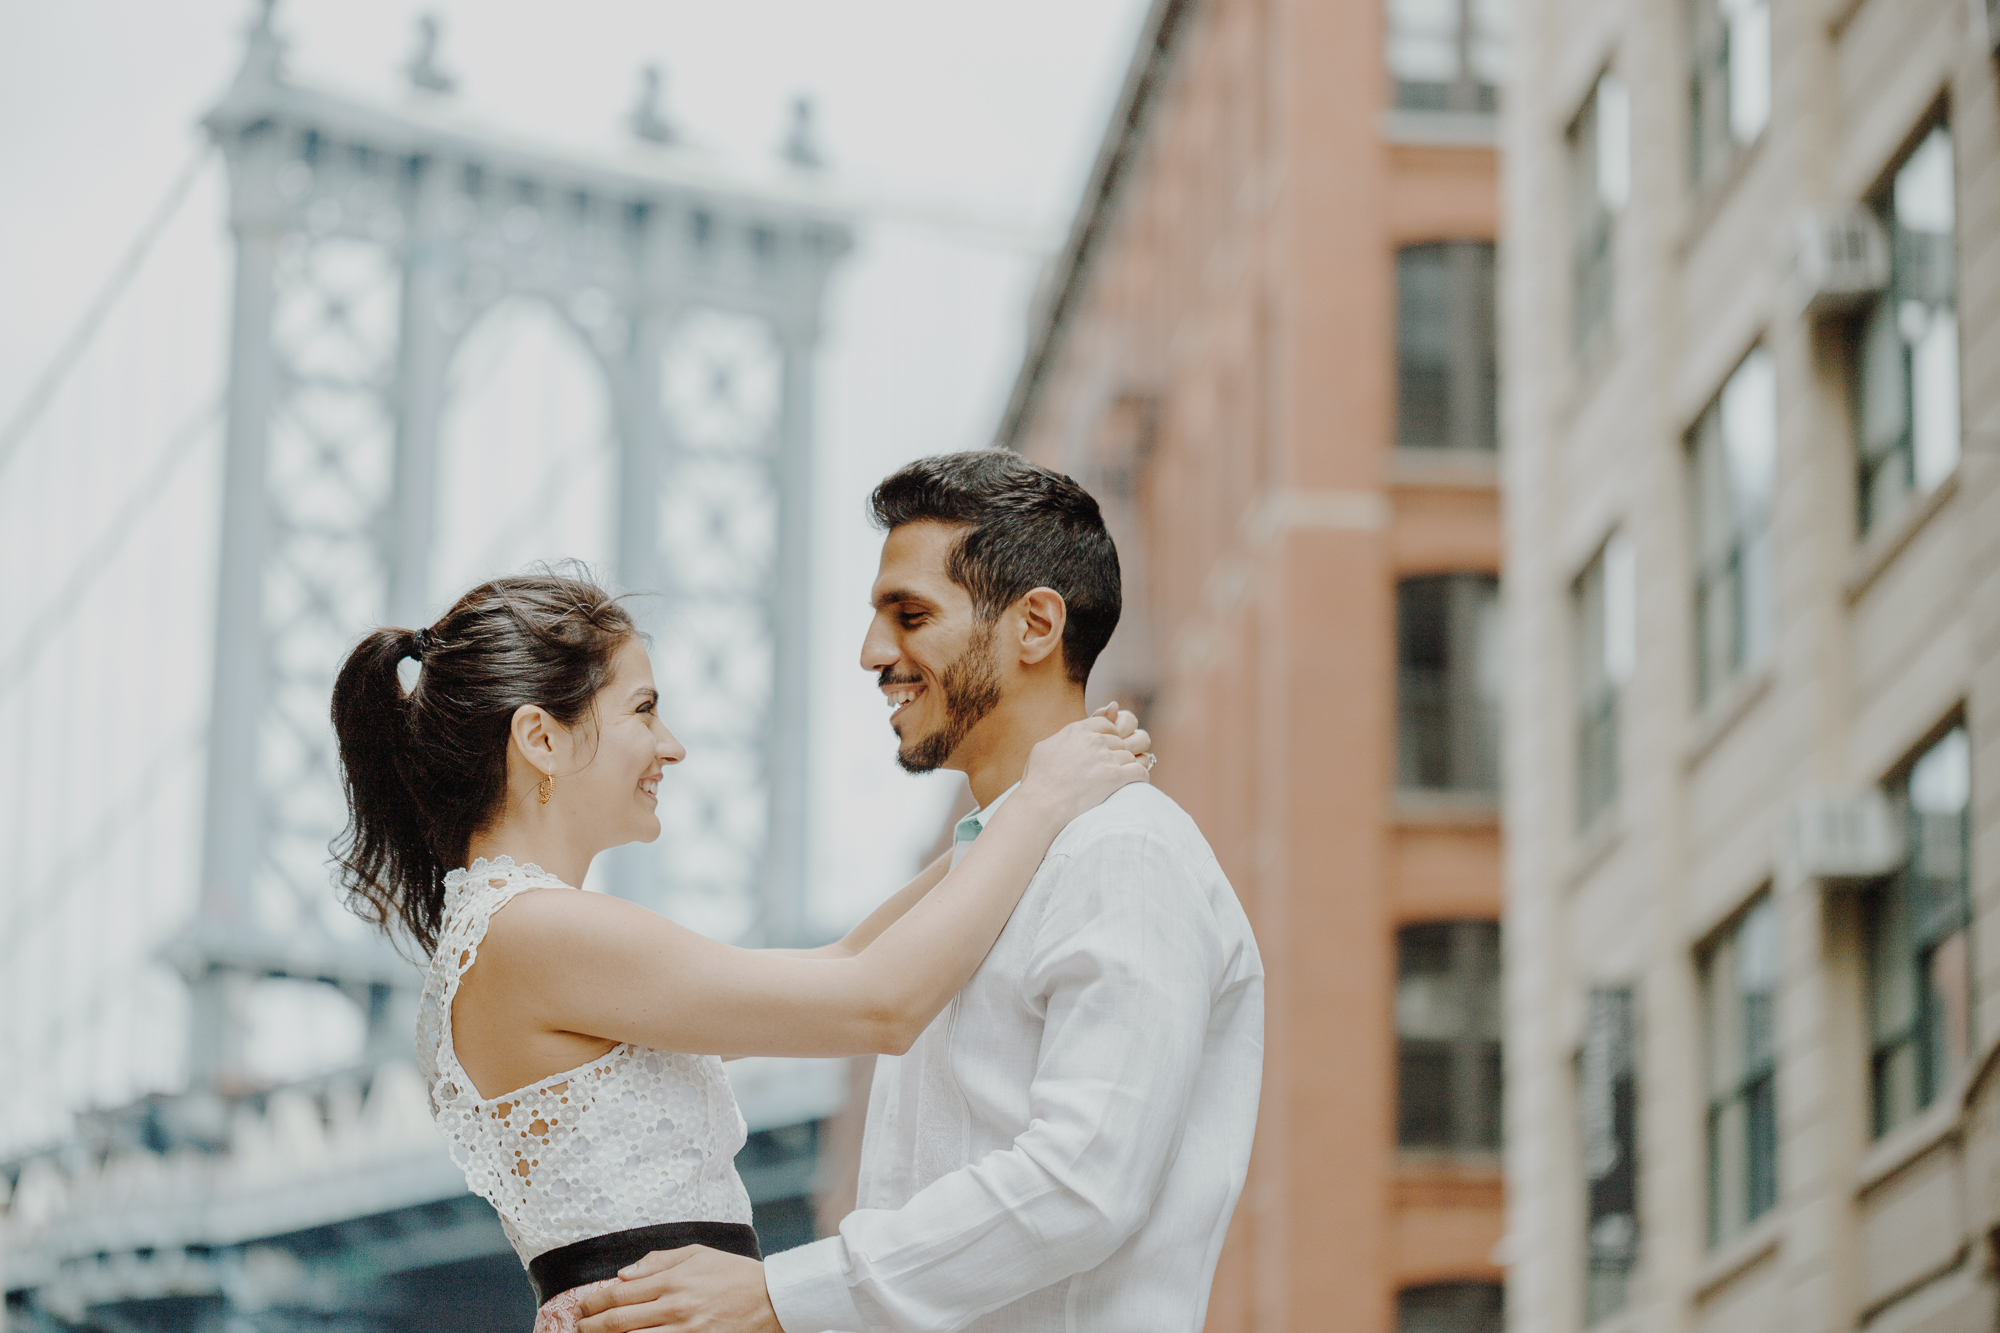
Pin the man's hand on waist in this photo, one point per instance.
(689, 1289)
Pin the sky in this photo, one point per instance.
(987, 114)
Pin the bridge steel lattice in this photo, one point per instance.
(369, 241)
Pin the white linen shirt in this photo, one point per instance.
(1063, 1145)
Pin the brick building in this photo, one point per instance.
(1753, 608)
(1268, 348)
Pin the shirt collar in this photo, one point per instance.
(969, 827)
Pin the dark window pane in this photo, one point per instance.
(1450, 1307)
(1597, 153)
(1448, 1030)
(1604, 647)
(1761, 1114)
(1423, 1094)
(1739, 976)
(1447, 683)
(1423, 346)
(1732, 456)
(1919, 999)
(1485, 1126)
(1904, 350)
(1446, 367)
(1597, 761)
(1424, 950)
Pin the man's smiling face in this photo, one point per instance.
(935, 661)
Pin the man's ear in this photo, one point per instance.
(1043, 615)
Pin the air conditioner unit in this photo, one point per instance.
(1845, 837)
(1839, 257)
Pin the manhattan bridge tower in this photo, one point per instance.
(375, 247)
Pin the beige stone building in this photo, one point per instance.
(1751, 455)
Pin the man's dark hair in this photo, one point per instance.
(1028, 527)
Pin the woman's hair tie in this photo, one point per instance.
(420, 643)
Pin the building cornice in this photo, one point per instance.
(1063, 291)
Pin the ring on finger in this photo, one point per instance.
(1151, 759)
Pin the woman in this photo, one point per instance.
(571, 1040)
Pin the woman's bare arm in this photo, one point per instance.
(879, 920)
(886, 915)
(583, 967)
(598, 966)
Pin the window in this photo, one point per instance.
(1602, 607)
(1739, 981)
(1906, 343)
(1919, 1010)
(1730, 95)
(1734, 464)
(1608, 1103)
(1600, 171)
(1448, 1036)
(1450, 1307)
(1448, 654)
(1446, 372)
(1447, 55)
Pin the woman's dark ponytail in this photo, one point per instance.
(424, 770)
(385, 843)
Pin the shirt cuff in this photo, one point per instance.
(808, 1289)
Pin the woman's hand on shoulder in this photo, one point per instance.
(1078, 767)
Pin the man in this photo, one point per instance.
(1063, 1146)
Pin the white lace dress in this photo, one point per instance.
(635, 1138)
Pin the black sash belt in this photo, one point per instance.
(600, 1257)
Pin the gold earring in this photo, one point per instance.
(546, 788)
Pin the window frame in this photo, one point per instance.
(1607, 1085)
(1752, 1084)
(1470, 722)
(1895, 900)
(1713, 143)
(1738, 566)
(1602, 658)
(1876, 323)
(1470, 362)
(1595, 203)
(1473, 1120)
(1465, 93)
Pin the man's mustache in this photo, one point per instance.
(889, 677)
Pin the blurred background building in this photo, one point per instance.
(1752, 461)
(1268, 348)
(1719, 321)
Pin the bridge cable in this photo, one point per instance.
(93, 562)
(44, 392)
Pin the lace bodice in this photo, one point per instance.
(634, 1138)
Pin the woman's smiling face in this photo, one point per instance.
(611, 782)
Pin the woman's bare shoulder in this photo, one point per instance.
(560, 915)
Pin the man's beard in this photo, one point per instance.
(971, 687)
